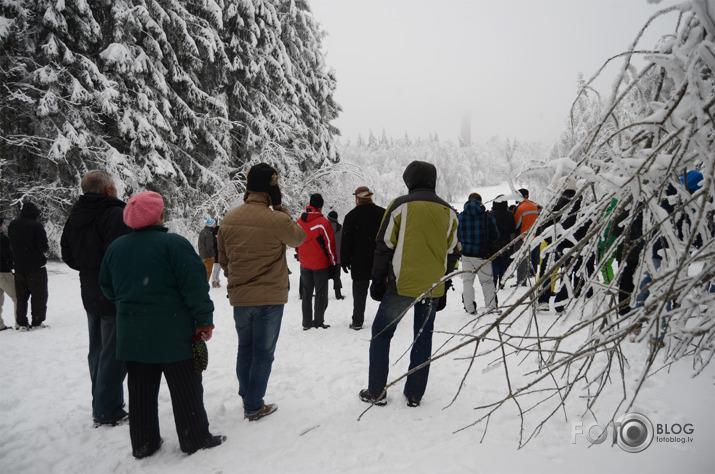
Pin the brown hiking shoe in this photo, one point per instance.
(368, 397)
(266, 410)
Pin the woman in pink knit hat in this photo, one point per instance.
(158, 284)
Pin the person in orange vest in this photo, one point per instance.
(525, 215)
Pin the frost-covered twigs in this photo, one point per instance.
(634, 263)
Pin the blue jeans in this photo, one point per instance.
(107, 373)
(258, 328)
(391, 307)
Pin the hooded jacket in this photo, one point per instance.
(28, 240)
(357, 248)
(416, 244)
(95, 221)
(206, 243)
(477, 230)
(319, 250)
(252, 244)
(505, 225)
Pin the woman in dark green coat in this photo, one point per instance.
(158, 283)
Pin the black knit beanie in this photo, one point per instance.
(263, 178)
(316, 201)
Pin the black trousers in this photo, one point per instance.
(187, 401)
(33, 284)
(626, 286)
(360, 288)
(314, 280)
(546, 287)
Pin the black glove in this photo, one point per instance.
(378, 286)
(333, 272)
(346, 268)
(442, 300)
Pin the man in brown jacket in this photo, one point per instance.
(252, 244)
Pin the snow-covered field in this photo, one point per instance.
(46, 424)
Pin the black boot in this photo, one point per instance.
(338, 295)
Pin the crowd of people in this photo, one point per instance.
(146, 291)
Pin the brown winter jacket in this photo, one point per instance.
(252, 244)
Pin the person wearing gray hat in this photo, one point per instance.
(357, 249)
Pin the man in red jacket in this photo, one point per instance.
(318, 261)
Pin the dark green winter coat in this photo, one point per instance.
(158, 283)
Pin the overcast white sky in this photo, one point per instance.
(417, 66)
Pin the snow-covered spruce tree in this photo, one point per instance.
(657, 125)
(171, 67)
(174, 96)
(55, 104)
(281, 91)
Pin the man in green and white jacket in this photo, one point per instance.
(416, 247)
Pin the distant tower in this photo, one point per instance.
(465, 137)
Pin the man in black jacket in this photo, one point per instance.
(357, 248)
(507, 229)
(28, 242)
(95, 221)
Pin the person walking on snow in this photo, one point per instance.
(215, 278)
(357, 248)
(506, 227)
(252, 245)
(318, 262)
(477, 234)
(28, 242)
(206, 246)
(525, 215)
(338, 231)
(95, 221)
(416, 247)
(158, 284)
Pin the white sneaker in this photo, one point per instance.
(543, 307)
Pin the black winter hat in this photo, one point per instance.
(316, 201)
(29, 209)
(263, 178)
(420, 174)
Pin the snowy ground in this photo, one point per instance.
(46, 425)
